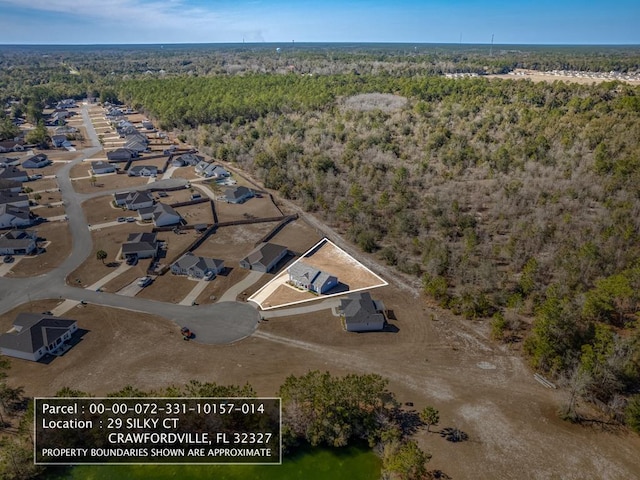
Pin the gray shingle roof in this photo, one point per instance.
(189, 260)
(17, 239)
(18, 212)
(264, 254)
(35, 332)
(359, 308)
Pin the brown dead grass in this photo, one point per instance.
(232, 244)
(168, 288)
(198, 213)
(221, 284)
(100, 210)
(252, 208)
(48, 212)
(109, 182)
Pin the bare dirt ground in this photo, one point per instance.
(100, 210)
(252, 208)
(124, 279)
(232, 244)
(198, 213)
(49, 211)
(109, 182)
(52, 196)
(297, 236)
(56, 252)
(168, 288)
(510, 419)
(187, 173)
(42, 184)
(82, 170)
(176, 243)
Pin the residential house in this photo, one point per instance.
(66, 103)
(237, 194)
(65, 130)
(164, 215)
(264, 257)
(113, 112)
(34, 335)
(190, 159)
(311, 278)
(14, 173)
(136, 142)
(18, 242)
(361, 313)
(140, 245)
(59, 140)
(134, 200)
(15, 199)
(7, 185)
(11, 216)
(11, 146)
(100, 167)
(146, 124)
(210, 170)
(37, 161)
(9, 162)
(121, 155)
(143, 171)
(125, 128)
(197, 267)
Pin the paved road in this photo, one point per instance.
(198, 288)
(219, 323)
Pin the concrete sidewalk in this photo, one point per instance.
(107, 278)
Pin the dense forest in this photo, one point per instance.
(506, 200)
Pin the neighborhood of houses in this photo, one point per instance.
(145, 155)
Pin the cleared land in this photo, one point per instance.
(232, 244)
(536, 76)
(252, 208)
(108, 182)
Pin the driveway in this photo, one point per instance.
(232, 293)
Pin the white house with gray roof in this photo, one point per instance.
(36, 161)
(162, 215)
(143, 171)
(15, 199)
(311, 278)
(18, 242)
(14, 173)
(210, 170)
(197, 267)
(33, 336)
(237, 194)
(101, 167)
(361, 313)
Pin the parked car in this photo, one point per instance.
(133, 260)
(144, 281)
(122, 219)
(37, 176)
(7, 259)
(195, 196)
(163, 194)
(131, 219)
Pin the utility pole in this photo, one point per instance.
(491, 49)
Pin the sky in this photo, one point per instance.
(404, 21)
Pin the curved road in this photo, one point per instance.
(219, 323)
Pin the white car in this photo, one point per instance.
(144, 281)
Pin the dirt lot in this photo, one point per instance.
(56, 252)
(232, 244)
(110, 240)
(100, 210)
(168, 288)
(124, 279)
(188, 173)
(198, 213)
(109, 182)
(176, 243)
(42, 185)
(297, 236)
(252, 208)
(49, 212)
(510, 418)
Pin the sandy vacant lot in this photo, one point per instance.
(297, 236)
(109, 182)
(56, 252)
(252, 208)
(232, 244)
(195, 214)
(100, 210)
(168, 288)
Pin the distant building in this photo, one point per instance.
(134, 200)
(14, 199)
(10, 186)
(11, 216)
(143, 171)
(162, 215)
(37, 161)
(121, 155)
(14, 173)
(100, 167)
